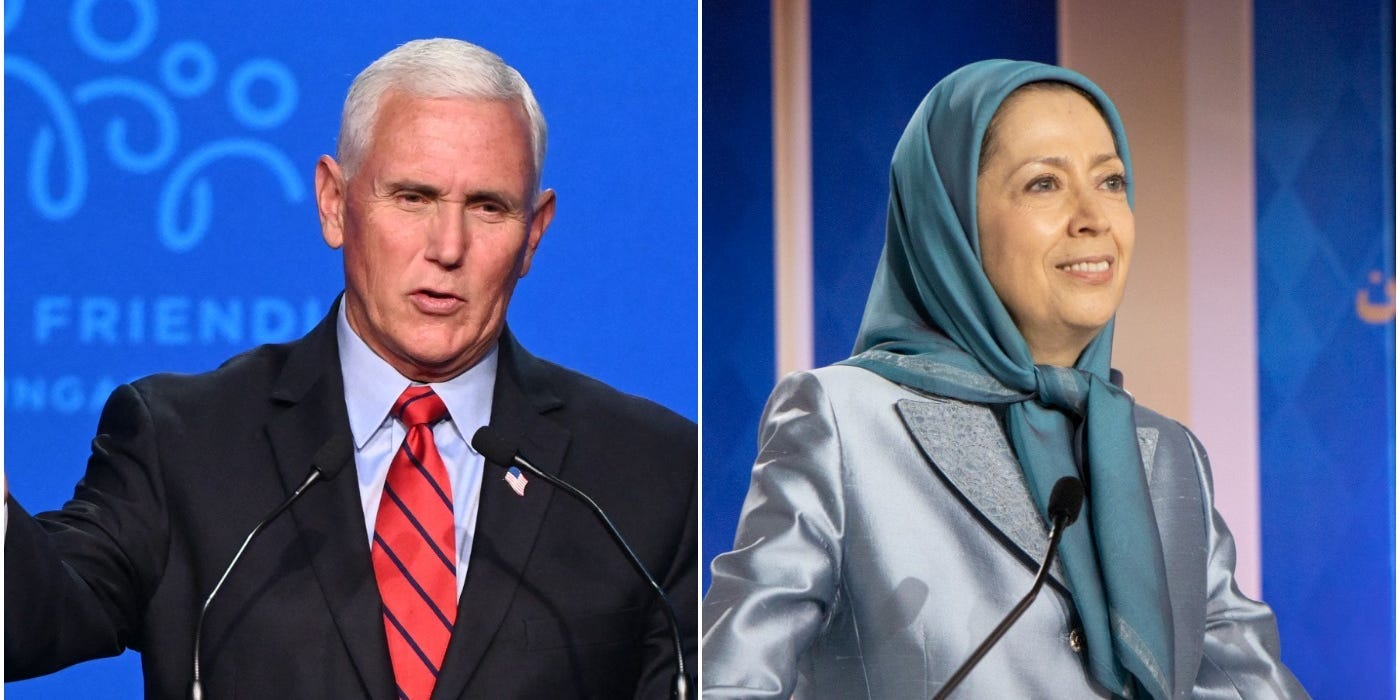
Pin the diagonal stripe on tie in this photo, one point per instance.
(423, 471)
(420, 529)
(408, 576)
(407, 637)
(414, 553)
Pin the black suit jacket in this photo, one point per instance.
(184, 466)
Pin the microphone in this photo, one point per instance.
(1066, 497)
(325, 465)
(493, 444)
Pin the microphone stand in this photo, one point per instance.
(327, 462)
(1065, 499)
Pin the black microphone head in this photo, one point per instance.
(333, 456)
(493, 444)
(1066, 497)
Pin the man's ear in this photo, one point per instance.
(539, 221)
(330, 201)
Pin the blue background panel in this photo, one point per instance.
(738, 254)
(872, 63)
(1325, 144)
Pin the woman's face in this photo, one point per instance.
(1052, 212)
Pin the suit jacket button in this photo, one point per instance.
(1076, 639)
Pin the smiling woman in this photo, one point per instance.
(897, 505)
(1054, 225)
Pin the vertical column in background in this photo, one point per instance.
(1179, 75)
(1134, 51)
(1324, 124)
(738, 353)
(792, 183)
(1223, 384)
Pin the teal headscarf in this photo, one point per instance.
(934, 323)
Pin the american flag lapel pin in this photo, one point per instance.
(516, 480)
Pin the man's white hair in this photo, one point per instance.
(433, 68)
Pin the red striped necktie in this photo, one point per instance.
(415, 550)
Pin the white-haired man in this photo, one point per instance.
(427, 572)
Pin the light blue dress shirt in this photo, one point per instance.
(371, 387)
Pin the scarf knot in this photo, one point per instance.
(1065, 388)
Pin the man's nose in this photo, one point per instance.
(447, 243)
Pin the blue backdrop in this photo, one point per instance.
(738, 253)
(159, 212)
(1325, 139)
(885, 56)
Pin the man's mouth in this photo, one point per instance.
(433, 301)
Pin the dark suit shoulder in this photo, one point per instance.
(582, 401)
(241, 381)
(616, 442)
(617, 406)
(259, 364)
(641, 434)
(277, 372)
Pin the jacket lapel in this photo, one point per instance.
(507, 524)
(966, 444)
(1147, 447)
(310, 400)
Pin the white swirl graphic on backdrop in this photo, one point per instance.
(109, 50)
(41, 152)
(57, 171)
(180, 239)
(154, 102)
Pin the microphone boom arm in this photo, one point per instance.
(1066, 499)
(1056, 529)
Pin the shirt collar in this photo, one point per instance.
(372, 386)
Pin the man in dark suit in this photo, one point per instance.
(435, 201)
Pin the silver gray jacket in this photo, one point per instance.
(886, 532)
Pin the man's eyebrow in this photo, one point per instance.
(498, 196)
(424, 189)
(414, 186)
